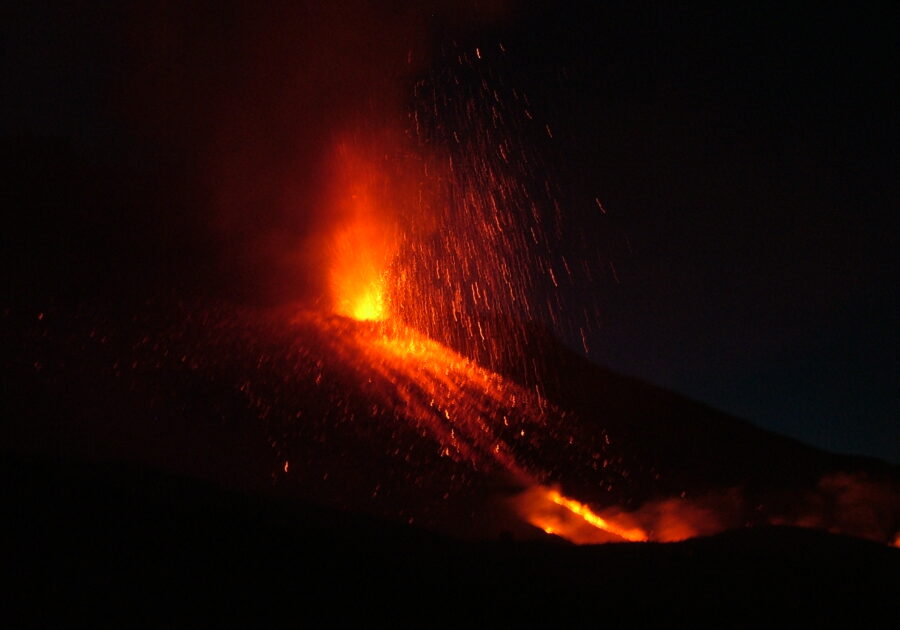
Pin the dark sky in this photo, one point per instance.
(749, 156)
(746, 158)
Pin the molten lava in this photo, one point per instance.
(364, 236)
(476, 417)
(357, 274)
(556, 514)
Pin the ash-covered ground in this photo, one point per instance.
(376, 420)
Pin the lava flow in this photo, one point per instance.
(476, 417)
(576, 521)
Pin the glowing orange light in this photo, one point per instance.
(632, 534)
(357, 280)
(551, 511)
(364, 236)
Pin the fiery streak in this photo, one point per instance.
(457, 400)
(467, 409)
(632, 534)
(550, 510)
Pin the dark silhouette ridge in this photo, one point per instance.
(123, 543)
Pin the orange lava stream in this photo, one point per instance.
(557, 514)
(631, 534)
(471, 412)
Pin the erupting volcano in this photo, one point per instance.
(474, 443)
(475, 416)
(435, 269)
(360, 326)
(425, 383)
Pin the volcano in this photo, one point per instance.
(296, 320)
(403, 439)
(194, 449)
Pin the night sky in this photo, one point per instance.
(745, 159)
(749, 156)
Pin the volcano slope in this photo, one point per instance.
(376, 419)
(223, 453)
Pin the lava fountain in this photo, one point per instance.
(363, 241)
